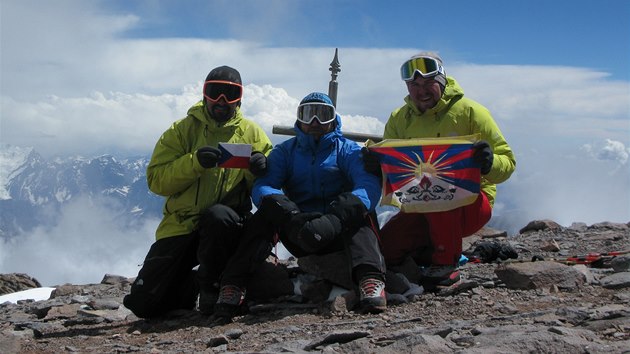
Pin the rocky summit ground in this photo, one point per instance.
(552, 305)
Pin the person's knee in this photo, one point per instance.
(221, 216)
(278, 209)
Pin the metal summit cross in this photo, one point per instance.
(333, 85)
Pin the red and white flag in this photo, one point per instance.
(234, 155)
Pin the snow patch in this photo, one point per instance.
(36, 294)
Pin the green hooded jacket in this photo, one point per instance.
(456, 115)
(175, 173)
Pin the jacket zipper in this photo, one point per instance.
(197, 193)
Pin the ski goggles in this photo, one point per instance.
(424, 66)
(323, 112)
(213, 90)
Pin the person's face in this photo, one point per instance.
(316, 129)
(424, 93)
(221, 111)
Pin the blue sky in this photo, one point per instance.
(94, 77)
(574, 33)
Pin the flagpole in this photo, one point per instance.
(333, 86)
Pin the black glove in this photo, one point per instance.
(290, 231)
(371, 162)
(258, 163)
(349, 209)
(483, 155)
(319, 232)
(208, 156)
(278, 209)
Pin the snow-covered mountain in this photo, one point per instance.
(33, 190)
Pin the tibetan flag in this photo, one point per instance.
(429, 174)
(235, 155)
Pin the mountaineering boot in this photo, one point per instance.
(440, 275)
(207, 300)
(231, 298)
(372, 295)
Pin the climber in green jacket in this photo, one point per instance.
(206, 205)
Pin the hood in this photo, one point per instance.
(307, 140)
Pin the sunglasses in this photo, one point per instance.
(324, 113)
(423, 66)
(213, 90)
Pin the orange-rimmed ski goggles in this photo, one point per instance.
(213, 90)
(424, 66)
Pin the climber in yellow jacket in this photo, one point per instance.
(206, 205)
(436, 107)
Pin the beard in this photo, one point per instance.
(221, 112)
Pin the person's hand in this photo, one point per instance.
(291, 229)
(208, 156)
(258, 163)
(371, 162)
(482, 154)
(278, 209)
(349, 209)
(319, 232)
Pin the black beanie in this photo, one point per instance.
(225, 73)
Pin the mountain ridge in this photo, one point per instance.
(32, 186)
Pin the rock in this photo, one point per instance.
(112, 279)
(316, 291)
(14, 282)
(538, 225)
(65, 290)
(609, 226)
(270, 280)
(539, 275)
(333, 267)
(336, 337)
(620, 263)
(487, 232)
(551, 246)
(616, 281)
(588, 275)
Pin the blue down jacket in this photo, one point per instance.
(313, 175)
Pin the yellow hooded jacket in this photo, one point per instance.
(175, 172)
(455, 115)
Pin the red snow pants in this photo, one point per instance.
(433, 238)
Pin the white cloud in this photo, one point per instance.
(609, 150)
(87, 243)
(564, 188)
